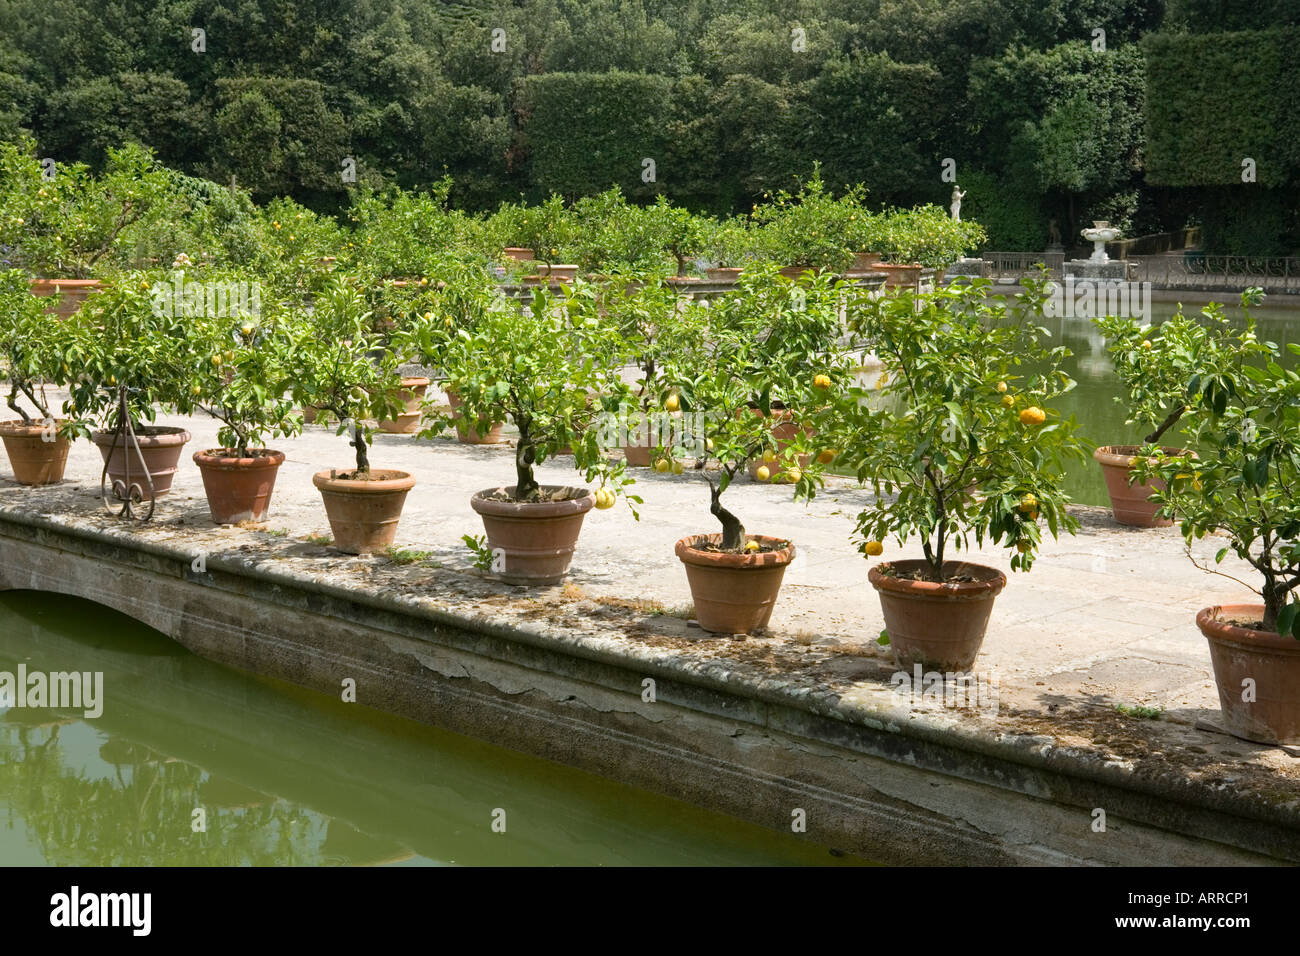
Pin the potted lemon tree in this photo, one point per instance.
(758, 355)
(342, 369)
(32, 344)
(73, 228)
(127, 350)
(250, 394)
(1155, 364)
(1240, 487)
(540, 366)
(960, 446)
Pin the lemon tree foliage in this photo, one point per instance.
(961, 440)
(548, 366)
(1245, 423)
(341, 366)
(119, 339)
(1154, 364)
(32, 344)
(756, 365)
(73, 223)
(242, 370)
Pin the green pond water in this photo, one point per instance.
(1092, 402)
(291, 777)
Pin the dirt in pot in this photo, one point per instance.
(918, 574)
(762, 548)
(1249, 624)
(372, 475)
(544, 495)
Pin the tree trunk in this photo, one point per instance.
(359, 443)
(13, 403)
(526, 487)
(1167, 424)
(1274, 600)
(733, 532)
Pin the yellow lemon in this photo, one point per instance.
(1008, 401)
(822, 381)
(793, 475)
(195, 390)
(827, 456)
(763, 473)
(1028, 503)
(677, 468)
(1002, 387)
(662, 465)
(769, 456)
(1146, 344)
(751, 546)
(604, 499)
(1033, 415)
(672, 403)
(873, 548)
(216, 361)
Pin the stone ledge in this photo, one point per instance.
(735, 735)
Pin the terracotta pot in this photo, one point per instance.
(410, 395)
(723, 273)
(783, 434)
(637, 456)
(866, 262)
(238, 489)
(1128, 501)
(734, 593)
(536, 539)
(552, 273)
(518, 253)
(794, 272)
(363, 514)
(470, 436)
(939, 626)
(161, 447)
(900, 275)
(35, 460)
(70, 293)
(1269, 660)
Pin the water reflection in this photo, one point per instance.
(288, 777)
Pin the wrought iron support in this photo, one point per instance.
(128, 493)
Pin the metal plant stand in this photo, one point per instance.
(128, 494)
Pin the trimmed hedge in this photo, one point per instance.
(585, 132)
(1215, 99)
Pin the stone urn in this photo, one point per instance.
(1101, 233)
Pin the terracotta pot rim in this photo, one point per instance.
(1125, 456)
(416, 382)
(150, 436)
(67, 283)
(532, 509)
(393, 481)
(1207, 619)
(688, 552)
(992, 585)
(20, 429)
(227, 458)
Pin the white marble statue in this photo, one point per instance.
(957, 195)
